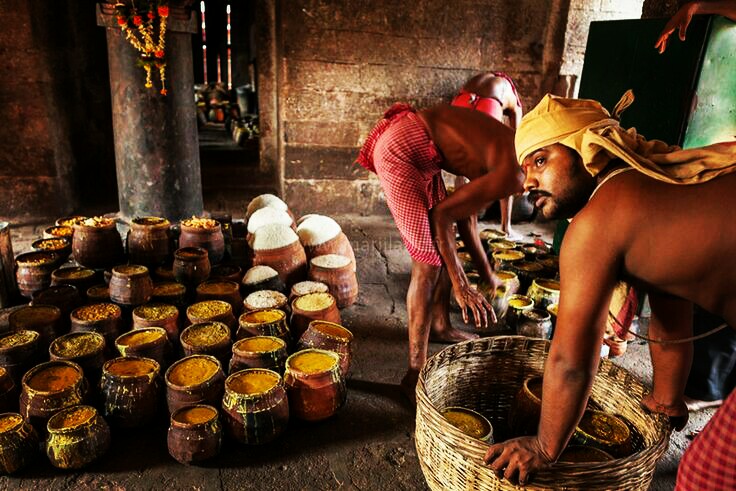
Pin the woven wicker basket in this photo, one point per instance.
(485, 375)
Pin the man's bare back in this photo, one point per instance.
(471, 143)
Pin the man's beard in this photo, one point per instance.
(565, 204)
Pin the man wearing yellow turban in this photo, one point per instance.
(645, 212)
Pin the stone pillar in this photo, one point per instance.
(156, 140)
(660, 8)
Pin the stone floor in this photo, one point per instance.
(368, 446)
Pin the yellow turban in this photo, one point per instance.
(586, 127)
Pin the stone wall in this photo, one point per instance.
(56, 142)
(340, 64)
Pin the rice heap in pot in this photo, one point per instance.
(258, 274)
(307, 287)
(265, 299)
(265, 200)
(330, 261)
(266, 215)
(273, 236)
(317, 229)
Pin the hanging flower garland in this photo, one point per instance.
(145, 28)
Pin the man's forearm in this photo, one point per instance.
(468, 230)
(444, 238)
(726, 8)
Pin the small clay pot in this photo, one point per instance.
(70, 221)
(510, 281)
(337, 245)
(212, 311)
(518, 304)
(311, 307)
(195, 379)
(50, 387)
(98, 246)
(59, 245)
(19, 351)
(98, 294)
(66, 297)
(147, 342)
(264, 322)
(266, 299)
(18, 443)
(77, 437)
(103, 318)
(227, 291)
(195, 434)
(259, 352)
(544, 292)
(130, 285)
(87, 349)
(605, 432)
(33, 272)
(148, 241)
(255, 407)
(306, 287)
(191, 266)
(226, 272)
(260, 278)
(161, 315)
(329, 336)
(44, 319)
(81, 278)
(209, 236)
(130, 389)
(535, 323)
(526, 409)
(337, 273)
(527, 272)
(164, 272)
(66, 231)
(314, 384)
(469, 422)
(169, 292)
(289, 261)
(208, 338)
(504, 259)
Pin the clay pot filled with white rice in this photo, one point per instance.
(278, 246)
(321, 235)
(338, 274)
(261, 278)
(265, 216)
(263, 201)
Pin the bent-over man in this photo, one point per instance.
(656, 216)
(408, 150)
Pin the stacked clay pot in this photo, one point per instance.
(278, 246)
(322, 235)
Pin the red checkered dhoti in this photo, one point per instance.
(710, 461)
(400, 151)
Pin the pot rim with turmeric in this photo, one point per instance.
(181, 376)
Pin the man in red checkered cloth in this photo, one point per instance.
(408, 150)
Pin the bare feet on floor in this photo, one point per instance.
(408, 386)
(450, 335)
(694, 405)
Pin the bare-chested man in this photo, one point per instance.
(494, 94)
(408, 150)
(647, 213)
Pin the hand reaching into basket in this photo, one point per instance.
(470, 299)
(518, 459)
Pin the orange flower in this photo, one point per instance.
(122, 21)
(163, 10)
(164, 91)
(151, 15)
(159, 53)
(137, 20)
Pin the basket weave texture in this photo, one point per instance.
(484, 375)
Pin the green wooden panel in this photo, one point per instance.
(713, 118)
(620, 55)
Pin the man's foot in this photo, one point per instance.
(512, 234)
(450, 335)
(408, 386)
(694, 405)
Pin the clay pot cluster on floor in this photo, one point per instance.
(236, 338)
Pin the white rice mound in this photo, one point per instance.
(257, 274)
(267, 214)
(265, 299)
(265, 200)
(273, 236)
(306, 217)
(317, 229)
(307, 287)
(330, 261)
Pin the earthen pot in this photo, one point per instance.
(169, 292)
(264, 322)
(98, 294)
(130, 285)
(337, 273)
(102, 318)
(18, 443)
(208, 338)
(19, 351)
(314, 384)
(195, 379)
(337, 245)
(504, 259)
(81, 278)
(97, 246)
(266, 299)
(311, 307)
(517, 305)
(227, 291)
(77, 437)
(544, 292)
(195, 434)
(306, 287)
(205, 233)
(510, 281)
(58, 245)
(527, 272)
(70, 221)
(66, 231)
(44, 319)
(259, 352)
(255, 407)
(87, 349)
(148, 241)
(266, 279)
(130, 388)
(161, 315)
(227, 272)
(289, 261)
(65, 297)
(191, 266)
(212, 311)
(33, 271)
(48, 388)
(165, 272)
(147, 342)
(329, 336)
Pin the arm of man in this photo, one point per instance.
(460, 205)
(671, 319)
(589, 266)
(468, 230)
(681, 19)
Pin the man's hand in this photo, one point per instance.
(517, 459)
(681, 21)
(470, 299)
(677, 413)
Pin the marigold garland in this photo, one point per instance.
(139, 24)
